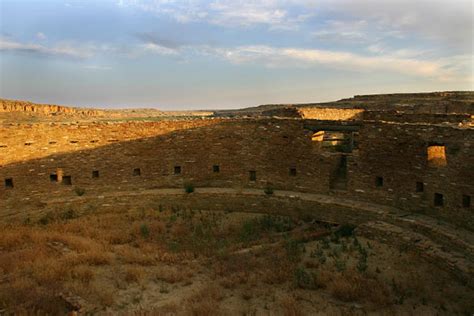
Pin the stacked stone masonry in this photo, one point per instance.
(386, 162)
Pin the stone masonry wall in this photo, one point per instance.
(391, 158)
(271, 148)
(330, 113)
(392, 168)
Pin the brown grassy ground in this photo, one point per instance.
(156, 261)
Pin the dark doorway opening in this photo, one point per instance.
(466, 201)
(9, 183)
(253, 175)
(438, 199)
(420, 187)
(53, 177)
(293, 172)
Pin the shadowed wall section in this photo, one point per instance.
(383, 162)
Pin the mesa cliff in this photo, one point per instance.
(45, 109)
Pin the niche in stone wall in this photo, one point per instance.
(67, 180)
(53, 177)
(216, 169)
(466, 201)
(436, 155)
(137, 172)
(293, 172)
(9, 183)
(438, 199)
(420, 186)
(177, 169)
(253, 175)
(379, 182)
(95, 173)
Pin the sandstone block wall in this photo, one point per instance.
(388, 166)
(330, 114)
(392, 167)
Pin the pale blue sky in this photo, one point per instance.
(173, 54)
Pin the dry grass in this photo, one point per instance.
(104, 256)
(290, 306)
(174, 275)
(351, 286)
(205, 302)
(134, 274)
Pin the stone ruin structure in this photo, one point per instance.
(412, 152)
(400, 166)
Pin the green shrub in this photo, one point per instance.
(345, 230)
(44, 220)
(189, 188)
(79, 191)
(322, 259)
(362, 264)
(69, 214)
(326, 243)
(340, 265)
(304, 279)
(268, 190)
(249, 231)
(293, 250)
(144, 231)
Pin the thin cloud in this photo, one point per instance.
(297, 57)
(97, 67)
(64, 49)
(160, 50)
(159, 41)
(276, 14)
(41, 36)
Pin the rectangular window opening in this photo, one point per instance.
(436, 156)
(137, 172)
(420, 187)
(466, 201)
(95, 174)
(9, 183)
(293, 172)
(379, 181)
(253, 175)
(67, 180)
(438, 199)
(216, 169)
(177, 169)
(53, 177)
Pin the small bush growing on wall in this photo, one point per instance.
(189, 188)
(80, 191)
(268, 190)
